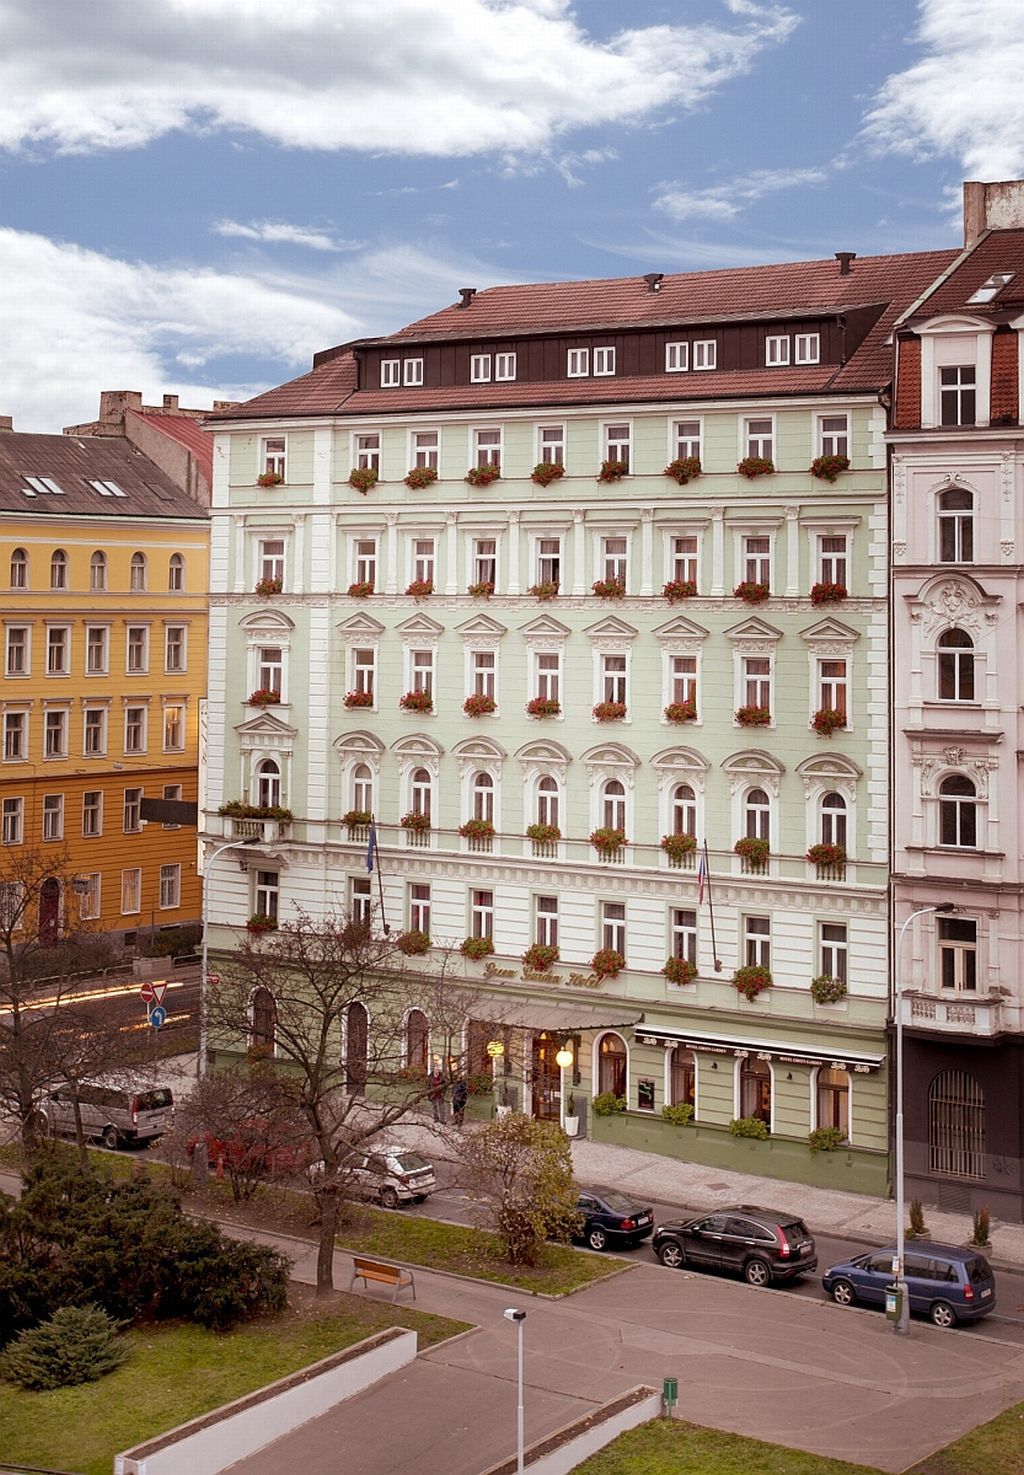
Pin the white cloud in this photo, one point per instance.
(279, 232)
(82, 321)
(964, 97)
(418, 76)
(727, 201)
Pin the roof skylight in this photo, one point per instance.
(40, 485)
(991, 287)
(108, 488)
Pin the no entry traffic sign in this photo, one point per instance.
(147, 993)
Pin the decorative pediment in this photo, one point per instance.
(829, 771)
(680, 628)
(955, 323)
(481, 626)
(953, 599)
(611, 628)
(673, 764)
(611, 753)
(417, 745)
(359, 744)
(754, 765)
(829, 631)
(753, 629)
(266, 619)
(265, 724)
(360, 625)
(480, 747)
(420, 627)
(545, 627)
(547, 755)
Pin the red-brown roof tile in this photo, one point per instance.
(999, 251)
(188, 433)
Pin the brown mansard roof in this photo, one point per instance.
(73, 463)
(687, 300)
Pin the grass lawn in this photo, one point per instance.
(675, 1447)
(177, 1371)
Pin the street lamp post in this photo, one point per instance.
(204, 975)
(519, 1317)
(901, 1323)
(563, 1060)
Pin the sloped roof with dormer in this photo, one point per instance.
(132, 485)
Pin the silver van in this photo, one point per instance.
(114, 1113)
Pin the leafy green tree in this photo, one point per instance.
(520, 1172)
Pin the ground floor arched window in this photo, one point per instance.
(417, 1035)
(756, 1090)
(611, 1065)
(956, 1125)
(833, 1100)
(682, 1077)
(263, 1033)
(356, 1041)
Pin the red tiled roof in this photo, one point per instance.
(188, 433)
(999, 251)
(801, 288)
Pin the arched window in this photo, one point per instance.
(956, 1126)
(956, 526)
(19, 569)
(756, 1089)
(263, 1031)
(362, 788)
(833, 1100)
(611, 1065)
(138, 571)
(956, 666)
(833, 820)
(268, 782)
(958, 812)
(421, 792)
(98, 570)
(58, 569)
(547, 801)
(757, 815)
(613, 805)
(483, 797)
(49, 910)
(684, 810)
(683, 1077)
(357, 1034)
(417, 1036)
(175, 573)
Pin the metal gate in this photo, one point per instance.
(956, 1126)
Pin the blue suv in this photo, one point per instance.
(945, 1282)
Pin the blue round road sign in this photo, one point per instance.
(157, 1015)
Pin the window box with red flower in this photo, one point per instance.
(607, 841)
(420, 588)
(540, 956)
(265, 696)
(610, 711)
(680, 971)
(358, 699)
(482, 476)
(416, 701)
(828, 593)
(356, 819)
(679, 589)
(610, 588)
(681, 711)
(477, 829)
(266, 587)
(483, 590)
(607, 962)
(678, 847)
(477, 947)
(753, 716)
(827, 720)
(543, 834)
(260, 922)
(420, 477)
(413, 943)
(361, 590)
(751, 981)
(683, 469)
(477, 704)
(545, 590)
(828, 990)
(613, 471)
(830, 860)
(543, 707)
(752, 593)
(270, 479)
(414, 820)
(545, 472)
(362, 478)
(752, 466)
(753, 851)
(828, 468)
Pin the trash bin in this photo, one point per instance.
(894, 1302)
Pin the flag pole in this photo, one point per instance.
(711, 910)
(372, 859)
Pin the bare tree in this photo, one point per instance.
(352, 1026)
(249, 1121)
(519, 1172)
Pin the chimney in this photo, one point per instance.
(998, 205)
(6, 422)
(654, 280)
(467, 294)
(844, 258)
(170, 401)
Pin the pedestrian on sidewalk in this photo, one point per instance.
(460, 1093)
(436, 1091)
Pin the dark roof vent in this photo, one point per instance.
(467, 294)
(653, 280)
(844, 258)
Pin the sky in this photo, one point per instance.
(197, 195)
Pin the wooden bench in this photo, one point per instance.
(392, 1275)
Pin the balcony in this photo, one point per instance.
(265, 830)
(982, 1017)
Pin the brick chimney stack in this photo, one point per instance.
(998, 205)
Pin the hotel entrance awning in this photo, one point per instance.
(555, 1016)
(785, 1054)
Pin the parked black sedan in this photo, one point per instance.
(762, 1245)
(611, 1220)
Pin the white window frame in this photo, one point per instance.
(607, 441)
(182, 645)
(480, 368)
(550, 675)
(422, 560)
(365, 456)
(142, 725)
(482, 678)
(481, 912)
(131, 891)
(830, 561)
(391, 373)
(93, 729)
(271, 564)
(363, 673)
(23, 646)
(412, 373)
(170, 886)
(63, 645)
(608, 680)
(807, 348)
(131, 809)
(682, 934)
(742, 680)
(168, 731)
(491, 453)
(543, 447)
(97, 647)
(612, 926)
(425, 454)
(777, 351)
(142, 667)
(273, 460)
(90, 905)
(760, 438)
(545, 920)
(365, 563)
(682, 446)
(53, 817)
(677, 358)
(841, 685)
(93, 813)
(833, 441)
(834, 952)
(538, 557)
(15, 736)
(577, 363)
(60, 727)
(704, 354)
(683, 564)
(756, 941)
(421, 669)
(505, 367)
(604, 361)
(12, 820)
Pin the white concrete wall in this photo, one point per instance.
(580, 1447)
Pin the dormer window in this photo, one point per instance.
(412, 373)
(480, 368)
(604, 361)
(677, 358)
(504, 366)
(705, 354)
(776, 352)
(578, 365)
(808, 348)
(390, 373)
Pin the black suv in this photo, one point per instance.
(763, 1245)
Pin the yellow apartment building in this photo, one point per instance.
(104, 577)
